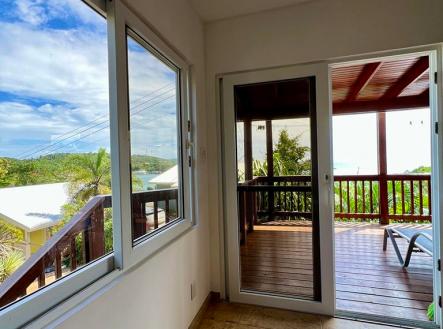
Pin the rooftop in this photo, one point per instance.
(34, 207)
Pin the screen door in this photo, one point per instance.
(277, 165)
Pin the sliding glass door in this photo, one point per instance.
(277, 188)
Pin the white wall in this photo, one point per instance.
(157, 294)
(317, 30)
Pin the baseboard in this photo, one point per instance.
(212, 298)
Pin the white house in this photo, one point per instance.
(33, 209)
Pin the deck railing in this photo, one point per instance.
(407, 198)
(60, 254)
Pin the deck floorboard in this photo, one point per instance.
(278, 259)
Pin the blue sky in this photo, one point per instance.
(54, 84)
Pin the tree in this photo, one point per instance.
(4, 169)
(290, 157)
(90, 176)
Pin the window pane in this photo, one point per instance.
(155, 147)
(55, 175)
(278, 222)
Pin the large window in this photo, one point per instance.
(54, 143)
(72, 81)
(155, 134)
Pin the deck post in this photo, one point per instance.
(270, 165)
(97, 232)
(382, 168)
(248, 172)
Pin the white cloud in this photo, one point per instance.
(68, 68)
(40, 12)
(31, 11)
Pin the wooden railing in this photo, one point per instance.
(61, 253)
(268, 198)
(408, 198)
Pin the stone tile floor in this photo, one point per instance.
(240, 316)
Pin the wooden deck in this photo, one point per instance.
(277, 259)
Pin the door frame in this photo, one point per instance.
(324, 156)
(436, 96)
(435, 53)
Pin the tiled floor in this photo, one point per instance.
(240, 316)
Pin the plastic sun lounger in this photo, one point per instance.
(420, 240)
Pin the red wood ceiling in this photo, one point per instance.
(381, 86)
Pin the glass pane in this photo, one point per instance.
(55, 174)
(355, 144)
(155, 147)
(278, 218)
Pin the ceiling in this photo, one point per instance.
(211, 10)
(381, 86)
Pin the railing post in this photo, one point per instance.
(73, 254)
(97, 232)
(384, 207)
(167, 209)
(382, 168)
(241, 215)
(249, 175)
(138, 217)
(270, 165)
(155, 214)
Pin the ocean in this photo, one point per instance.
(145, 177)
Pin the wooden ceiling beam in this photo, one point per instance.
(362, 80)
(385, 105)
(411, 75)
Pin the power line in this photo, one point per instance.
(85, 129)
(96, 131)
(26, 154)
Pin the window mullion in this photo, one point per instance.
(119, 123)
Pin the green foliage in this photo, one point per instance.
(47, 169)
(4, 169)
(422, 169)
(290, 158)
(108, 231)
(91, 176)
(430, 312)
(10, 256)
(10, 236)
(61, 167)
(150, 163)
(9, 263)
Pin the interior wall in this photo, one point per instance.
(312, 31)
(157, 294)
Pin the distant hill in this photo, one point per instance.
(56, 168)
(151, 163)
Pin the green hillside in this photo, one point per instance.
(56, 168)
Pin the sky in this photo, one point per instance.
(355, 141)
(54, 84)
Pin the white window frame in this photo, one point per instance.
(120, 19)
(125, 254)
